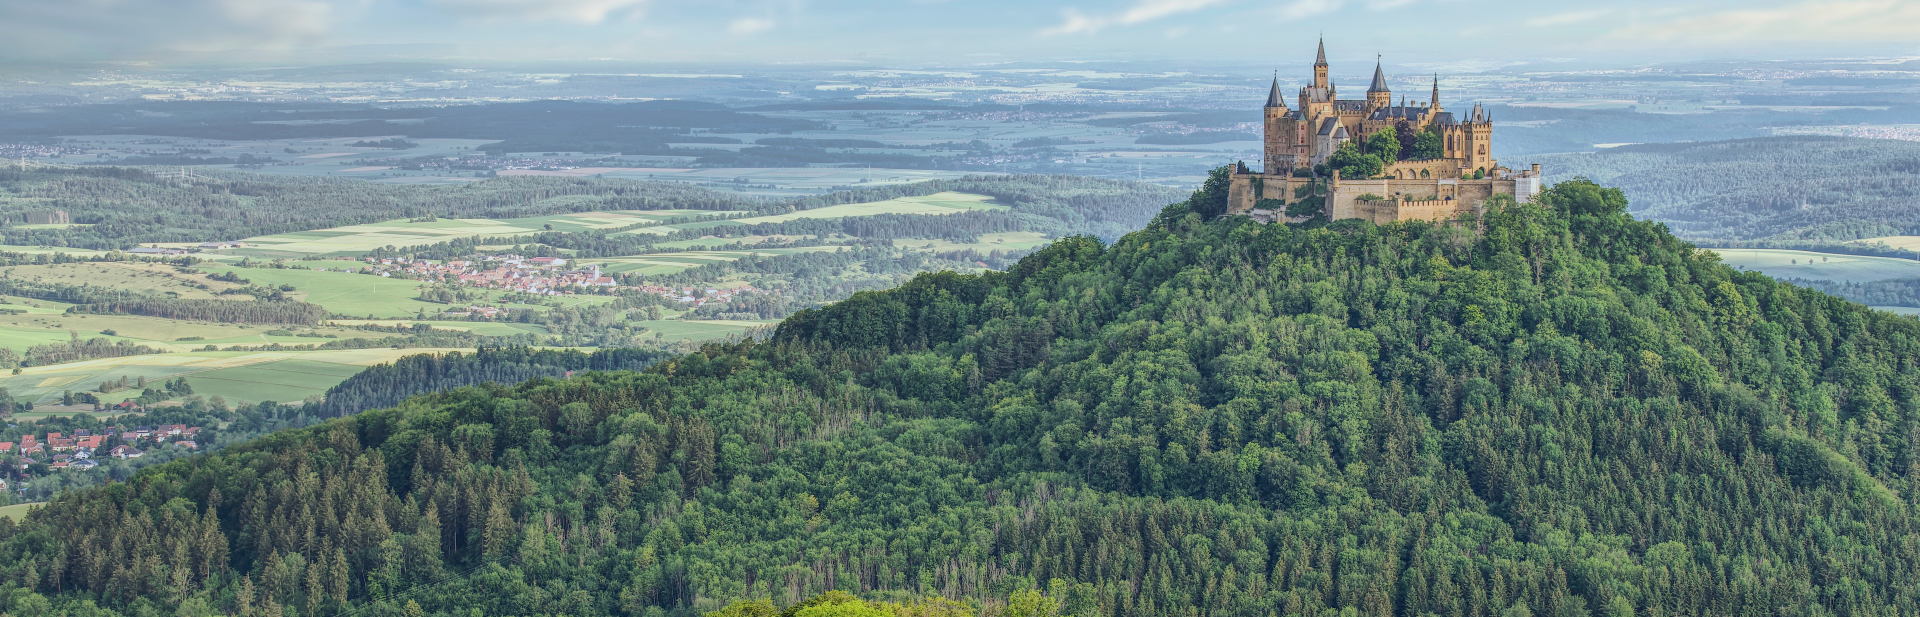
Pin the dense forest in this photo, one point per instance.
(1801, 190)
(288, 312)
(121, 207)
(1891, 292)
(1555, 410)
(386, 385)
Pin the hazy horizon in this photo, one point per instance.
(1459, 35)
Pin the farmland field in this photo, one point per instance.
(1780, 263)
(355, 240)
(49, 250)
(1007, 241)
(937, 203)
(671, 329)
(1911, 243)
(236, 375)
(666, 263)
(137, 276)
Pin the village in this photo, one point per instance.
(548, 276)
(83, 449)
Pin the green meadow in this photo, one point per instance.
(667, 263)
(235, 375)
(356, 240)
(1781, 263)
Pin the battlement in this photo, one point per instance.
(1381, 200)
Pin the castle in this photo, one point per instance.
(1300, 141)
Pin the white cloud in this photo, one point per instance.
(575, 11)
(106, 28)
(1381, 5)
(750, 25)
(1816, 20)
(1309, 8)
(1075, 22)
(1567, 19)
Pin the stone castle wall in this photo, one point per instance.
(1401, 200)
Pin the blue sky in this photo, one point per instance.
(955, 32)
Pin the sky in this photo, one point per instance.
(953, 32)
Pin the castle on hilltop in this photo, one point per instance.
(1438, 167)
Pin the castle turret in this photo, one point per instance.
(1280, 132)
(1320, 67)
(1377, 94)
(1435, 103)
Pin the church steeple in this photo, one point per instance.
(1435, 103)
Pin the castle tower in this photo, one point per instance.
(1279, 134)
(1477, 141)
(1435, 103)
(1377, 94)
(1320, 66)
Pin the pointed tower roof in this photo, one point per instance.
(1273, 94)
(1321, 58)
(1379, 78)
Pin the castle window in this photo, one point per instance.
(1424, 173)
(1483, 148)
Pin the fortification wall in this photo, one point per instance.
(1429, 199)
(1430, 169)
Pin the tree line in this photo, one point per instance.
(289, 312)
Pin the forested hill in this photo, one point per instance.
(1560, 411)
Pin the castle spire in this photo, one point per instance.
(1379, 78)
(1436, 91)
(1321, 59)
(1273, 94)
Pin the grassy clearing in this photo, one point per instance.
(665, 263)
(1911, 243)
(345, 293)
(49, 250)
(22, 331)
(358, 239)
(135, 276)
(483, 328)
(18, 511)
(1780, 263)
(253, 376)
(671, 329)
(937, 203)
(1009, 241)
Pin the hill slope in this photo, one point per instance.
(1565, 412)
